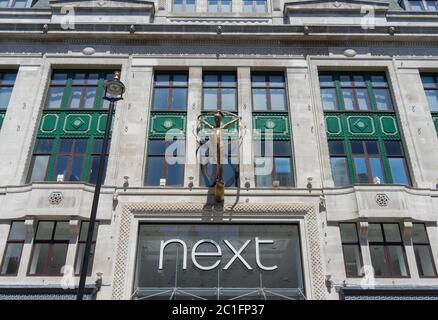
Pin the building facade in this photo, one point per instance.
(343, 94)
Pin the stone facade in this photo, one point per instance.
(299, 38)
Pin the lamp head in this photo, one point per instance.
(115, 88)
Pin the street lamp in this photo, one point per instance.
(114, 90)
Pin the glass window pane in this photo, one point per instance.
(226, 6)
(276, 80)
(393, 148)
(428, 81)
(45, 230)
(20, 4)
(398, 170)
(326, 80)
(383, 99)
(283, 171)
(228, 80)
(230, 174)
(432, 98)
(379, 261)
(362, 99)
(44, 146)
(90, 95)
(4, 3)
(228, 99)
(419, 234)
(211, 80)
(260, 6)
(160, 78)
(75, 97)
(424, 259)
(359, 81)
(398, 263)
(76, 168)
(157, 147)
(415, 5)
(372, 147)
(212, 6)
(348, 97)
(377, 169)
(431, 5)
(161, 99)
(59, 78)
(392, 232)
(378, 81)
(259, 99)
(54, 97)
(84, 231)
(17, 231)
(357, 147)
(353, 264)
(65, 145)
(57, 259)
(39, 168)
(247, 6)
(39, 258)
(5, 96)
(154, 171)
(80, 258)
(340, 171)
(262, 180)
(210, 99)
(62, 231)
(348, 232)
(329, 100)
(281, 148)
(180, 80)
(190, 5)
(175, 175)
(179, 99)
(93, 79)
(375, 233)
(361, 170)
(345, 81)
(61, 167)
(258, 80)
(278, 99)
(11, 259)
(336, 148)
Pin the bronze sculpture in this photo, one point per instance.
(217, 147)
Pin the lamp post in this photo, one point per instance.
(114, 90)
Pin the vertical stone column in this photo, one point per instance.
(237, 6)
(418, 131)
(130, 129)
(20, 124)
(201, 6)
(245, 111)
(306, 150)
(194, 105)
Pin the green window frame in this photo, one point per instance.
(361, 105)
(69, 138)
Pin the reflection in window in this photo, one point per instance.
(387, 251)
(339, 163)
(80, 250)
(423, 252)
(14, 247)
(268, 92)
(7, 81)
(170, 167)
(219, 91)
(49, 250)
(170, 92)
(351, 249)
(275, 170)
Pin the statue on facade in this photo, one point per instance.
(217, 148)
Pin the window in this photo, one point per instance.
(423, 5)
(268, 92)
(216, 6)
(275, 171)
(339, 163)
(368, 162)
(14, 247)
(170, 92)
(73, 159)
(184, 6)
(230, 166)
(13, 3)
(49, 248)
(351, 249)
(219, 91)
(387, 251)
(77, 90)
(255, 6)
(7, 80)
(355, 92)
(423, 252)
(170, 167)
(80, 251)
(430, 84)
